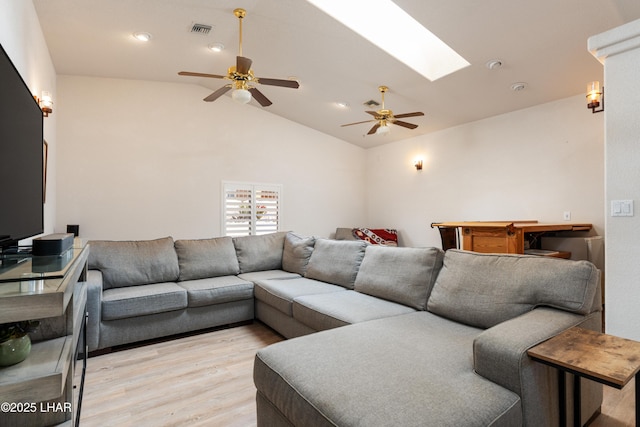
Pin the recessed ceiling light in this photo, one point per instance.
(342, 104)
(517, 87)
(143, 37)
(494, 64)
(396, 32)
(216, 47)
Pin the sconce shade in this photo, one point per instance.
(241, 96)
(45, 103)
(595, 97)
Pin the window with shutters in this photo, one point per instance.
(250, 209)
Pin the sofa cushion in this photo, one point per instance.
(297, 251)
(199, 259)
(331, 310)
(256, 253)
(134, 301)
(403, 275)
(216, 290)
(336, 261)
(486, 289)
(130, 263)
(280, 293)
(254, 276)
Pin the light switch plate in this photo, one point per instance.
(622, 208)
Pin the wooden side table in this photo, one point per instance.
(607, 359)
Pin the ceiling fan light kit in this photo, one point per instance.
(383, 129)
(241, 96)
(242, 77)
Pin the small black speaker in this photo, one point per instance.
(74, 228)
(52, 244)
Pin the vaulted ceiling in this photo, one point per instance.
(542, 44)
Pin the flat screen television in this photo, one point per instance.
(21, 158)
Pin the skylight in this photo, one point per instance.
(396, 32)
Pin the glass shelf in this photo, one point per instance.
(19, 267)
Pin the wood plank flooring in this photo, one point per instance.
(206, 380)
(199, 380)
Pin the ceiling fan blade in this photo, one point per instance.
(373, 113)
(279, 82)
(404, 124)
(401, 116)
(243, 65)
(358, 123)
(262, 100)
(189, 73)
(217, 94)
(374, 129)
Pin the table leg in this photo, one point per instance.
(562, 397)
(637, 386)
(577, 404)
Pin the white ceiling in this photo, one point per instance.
(542, 43)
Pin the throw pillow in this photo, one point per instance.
(377, 236)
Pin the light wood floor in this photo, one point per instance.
(206, 380)
(200, 380)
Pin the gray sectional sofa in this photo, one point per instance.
(383, 336)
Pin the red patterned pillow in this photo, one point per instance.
(377, 236)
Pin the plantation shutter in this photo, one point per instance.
(250, 209)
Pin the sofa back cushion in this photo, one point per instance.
(483, 290)
(297, 252)
(336, 261)
(259, 253)
(131, 263)
(402, 275)
(200, 259)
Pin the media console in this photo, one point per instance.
(46, 388)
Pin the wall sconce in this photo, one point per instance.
(418, 165)
(595, 97)
(45, 103)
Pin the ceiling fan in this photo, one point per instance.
(242, 77)
(384, 117)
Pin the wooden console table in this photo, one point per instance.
(607, 359)
(503, 236)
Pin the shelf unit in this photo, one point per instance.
(45, 383)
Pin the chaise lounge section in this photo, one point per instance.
(458, 358)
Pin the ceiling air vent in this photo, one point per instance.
(371, 103)
(201, 29)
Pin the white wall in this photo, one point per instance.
(532, 164)
(141, 159)
(22, 38)
(619, 49)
